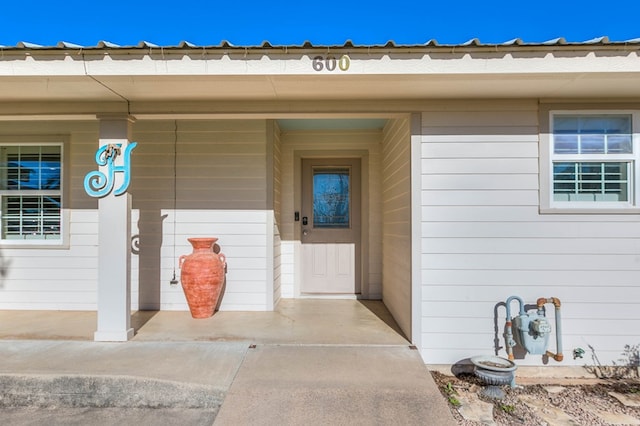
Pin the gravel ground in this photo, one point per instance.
(579, 401)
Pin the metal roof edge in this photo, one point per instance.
(348, 44)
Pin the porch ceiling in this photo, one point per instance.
(305, 87)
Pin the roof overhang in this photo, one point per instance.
(146, 76)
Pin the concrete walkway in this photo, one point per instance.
(312, 361)
(68, 382)
(316, 385)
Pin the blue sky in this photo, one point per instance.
(326, 22)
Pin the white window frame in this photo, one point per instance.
(63, 240)
(548, 157)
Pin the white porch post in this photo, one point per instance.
(114, 243)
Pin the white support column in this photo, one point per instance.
(114, 243)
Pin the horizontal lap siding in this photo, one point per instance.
(277, 211)
(241, 238)
(277, 270)
(220, 179)
(396, 219)
(277, 172)
(287, 268)
(58, 278)
(484, 240)
(221, 174)
(55, 279)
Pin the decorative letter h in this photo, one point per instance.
(98, 184)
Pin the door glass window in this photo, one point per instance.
(331, 197)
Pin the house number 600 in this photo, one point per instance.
(331, 63)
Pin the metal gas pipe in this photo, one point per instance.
(509, 333)
(558, 356)
(533, 329)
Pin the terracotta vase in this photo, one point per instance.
(202, 277)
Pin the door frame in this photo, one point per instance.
(354, 232)
(363, 155)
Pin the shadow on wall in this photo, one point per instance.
(499, 339)
(627, 367)
(4, 269)
(148, 245)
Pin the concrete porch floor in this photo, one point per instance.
(299, 321)
(308, 362)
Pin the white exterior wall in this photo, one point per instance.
(243, 240)
(55, 279)
(58, 277)
(221, 183)
(483, 240)
(276, 153)
(396, 221)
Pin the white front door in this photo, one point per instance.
(330, 221)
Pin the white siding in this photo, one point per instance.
(287, 268)
(55, 279)
(63, 277)
(396, 221)
(220, 179)
(277, 214)
(242, 239)
(484, 240)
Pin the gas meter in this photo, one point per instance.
(531, 330)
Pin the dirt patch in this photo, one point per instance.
(586, 403)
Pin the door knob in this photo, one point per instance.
(305, 232)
